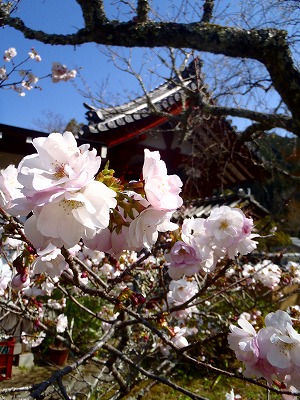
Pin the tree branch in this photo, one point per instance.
(268, 46)
(93, 12)
(142, 11)
(208, 8)
(150, 375)
(58, 375)
(268, 120)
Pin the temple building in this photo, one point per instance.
(204, 150)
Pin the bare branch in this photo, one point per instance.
(58, 375)
(150, 375)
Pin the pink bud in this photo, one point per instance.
(20, 281)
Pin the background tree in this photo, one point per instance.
(52, 122)
(255, 57)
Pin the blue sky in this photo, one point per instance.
(55, 16)
(63, 98)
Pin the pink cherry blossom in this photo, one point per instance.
(272, 352)
(162, 190)
(285, 349)
(224, 224)
(59, 166)
(3, 74)
(77, 215)
(178, 339)
(61, 73)
(183, 259)
(33, 339)
(34, 55)
(243, 341)
(181, 291)
(20, 281)
(230, 230)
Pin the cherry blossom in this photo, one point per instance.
(68, 203)
(224, 224)
(143, 230)
(184, 260)
(51, 262)
(181, 291)
(10, 188)
(272, 352)
(5, 276)
(285, 349)
(34, 55)
(20, 281)
(62, 323)
(162, 190)
(243, 341)
(229, 229)
(179, 339)
(266, 272)
(3, 73)
(33, 339)
(61, 73)
(58, 166)
(294, 271)
(77, 215)
(9, 54)
(232, 396)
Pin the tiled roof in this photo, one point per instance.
(201, 208)
(163, 99)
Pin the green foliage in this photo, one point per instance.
(85, 327)
(272, 239)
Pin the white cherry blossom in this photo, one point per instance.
(9, 54)
(61, 323)
(5, 275)
(143, 230)
(51, 262)
(10, 188)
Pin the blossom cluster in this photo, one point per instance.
(138, 219)
(271, 353)
(74, 206)
(59, 186)
(27, 80)
(226, 232)
(266, 272)
(61, 73)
